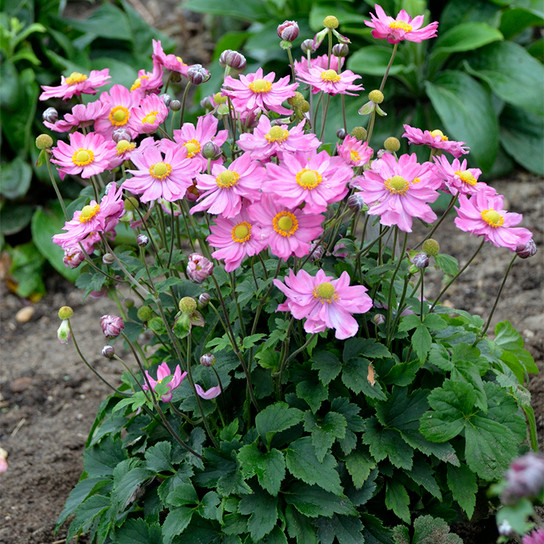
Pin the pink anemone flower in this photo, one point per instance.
(76, 84)
(170, 62)
(208, 394)
(82, 115)
(403, 27)
(326, 303)
(456, 177)
(150, 113)
(483, 215)
(163, 371)
(435, 139)
(148, 82)
(330, 81)
(354, 152)
(119, 102)
(303, 66)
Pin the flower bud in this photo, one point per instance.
(232, 59)
(166, 99)
(340, 50)
(420, 261)
(316, 251)
(108, 258)
(359, 133)
(208, 359)
(108, 352)
(120, 134)
(175, 105)
(112, 325)
(356, 203)
(63, 332)
(73, 257)
(305, 107)
(142, 240)
(524, 478)
(145, 313)
(187, 305)
(44, 141)
(376, 96)
(392, 144)
(288, 31)
(197, 74)
(203, 300)
(198, 268)
(307, 46)
(65, 312)
(210, 150)
(131, 203)
(51, 115)
(526, 250)
(431, 247)
(379, 319)
(129, 302)
(330, 22)
(340, 133)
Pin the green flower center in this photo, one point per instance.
(308, 179)
(397, 185)
(160, 170)
(88, 212)
(330, 75)
(277, 134)
(241, 232)
(227, 179)
(493, 218)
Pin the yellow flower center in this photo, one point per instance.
(354, 155)
(193, 147)
(395, 25)
(439, 133)
(285, 223)
(75, 77)
(466, 177)
(309, 179)
(260, 86)
(88, 212)
(138, 83)
(124, 146)
(83, 157)
(180, 60)
(325, 292)
(397, 185)
(227, 179)
(330, 75)
(277, 134)
(119, 116)
(241, 232)
(151, 117)
(493, 218)
(218, 98)
(160, 170)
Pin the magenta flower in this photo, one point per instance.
(170, 62)
(112, 325)
(150, 113)
(330, 81)
(268, 140)
(118, 102)
(210, 393)
(399, 29)
(483, 215)
(303, 66)
(222, 191)
(286, 231)
(123, 152)
(82, 116)
(326, 303)
(237, 238)
(198, 268)
(163, 171)
(354, 152)
(86, 155)
(436, 140)
(256, 90)
(76, 84)
(317, 179)
(399, 191)
(148, 82)
(535, 537)
(456, 177)
(75, 255)
(164, 372)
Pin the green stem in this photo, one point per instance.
(55, 186)
(439, 222)
(384, 79)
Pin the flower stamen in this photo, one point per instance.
(400, 25)
(493, 218)
(160, 170)
(325, 292)
(88, 212)
(466, 177)
(260, 86)
(308, 179)
(285, 223)
(193, 147)
(241, 232)
(227, 179)
(277, 134)
(397, 185)
(83, 157)
(75, 77)
(330, 75)
(119, 116)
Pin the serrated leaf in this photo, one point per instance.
(429, 530)
(300, 527)
(137, 531)
(387, 443)
(354, 377)
(158, 457)
(183, 494)
(402, 411)
(423, 474)
(263, 511)
(327, 365)
(463, 485)
(374, 530)
(86, 513)
(359, 465)
(125, 487)
(276, 418)
(102, 459)
(397, 500)
(269, 467)
(314, 393)
(176, 522)
(325, 432)
(421, 342)
(79, 494)
(448, 264)
(509, 339)
(313, 501)
(517, 515)
(347, 530)
(209, 506)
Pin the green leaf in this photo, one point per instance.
(300, 527)
(325, 432)
(347, 530)
(107, 21)
(250, 341)
(374, 531)
(512, 73)
(372, 60)
(269, 467)
(251, 10)
(359, 465)
(509, 339)
(463, 486)
(313, 501)
(448, 264)
(355, 377)
(15, 179)
(79, 494)
(429, 530)
(397, 499)
(126, 485)
(327, 364)
(517, 516)
(423, 474)
(183, 494)
(175, 523)
(303, 464)
(276, 536)
(137, 531)
(314, 393)
(276, 418)
(26, 270)
(9, 84)
(86, 513)
(465, 109)
(264, 513)
(516, 20)
(14, 217)
(102, 459)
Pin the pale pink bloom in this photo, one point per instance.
(210, 393)
(268, 140)
(483, 215)
(256, 90)
(86, 155)
(222, 191)
(403, 27)
(75, 255)
(436, 140)
(92, 219)
(456, 177)
(330, 81)
(237, 238)
(287, 232)
(194, 138)
(82, 116)
(399, 191)
(163, 371)
(354, 152)
(3, 462)
(170, 62)
(198, 267)
(150, 113)
(302, 66)
(148, 82)
(535, 537)
(123, 152)
(317, 179)
(119, 102)
(326, 303)
(163, 171)
(76, 84)
(112, 325)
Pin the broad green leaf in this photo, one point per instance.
(516, 20)
(15, 179)
(397, 499)
(26, 270)
(9, 84)
(421, 342)
(327, 364)
(269, 467)
(15, 217)
(107, 21)
(313, 501)
(355, 377)
(347, 530)
(325, 432)
(137, 531)
(448, 264)
(509, 339)
(517, 515)
(402, 411)
(300, 527)
(86, 513)
(364, 347)
(424, 475)
(429, 530)
(512, 73)
(125, 487)
(183, 494)
(81, 491)
(463, 485)
(276, 418)
(251, 10)
(175, 523)
(102, 459)
(372, 60)
(314, 393)
(359, 465)
(263, 511)
(465, 11)
(464, 106)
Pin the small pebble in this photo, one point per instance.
(24, 315)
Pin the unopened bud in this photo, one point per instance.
(203, 300)
(288, 31)
(526, 250)
(208, 359)
(392, 144)
(431, 247)
(210, 150)
(232, 59)
(145, 313)
(131, 203)
(108, 352)
(420, 261)
(121, 134)
(44, 141)
(305, 107)
(379, 319)
(355, 202)
(296, 100)
(112, 325)
(307, 46)
(359, 133)
(129, 302)
(142, 240)
(340, 50)
(108, 258)
(330, 22)
(66, 312)
(376, 96)
(175, 105)
(197, 74)
(341, 134)
(63, 332)
(187, 305)
(316, 251)
(198, 267)
(51, 115)
(166, 99)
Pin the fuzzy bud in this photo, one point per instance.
(208, 359)
(120, 134)
(431, 247)
(376, 96)
(355, 202)
(421, 260)
(44, 141)
(524, 478)
(108, 352)
(175, 105)
(340, 50)
(232, 59)
(142, 240)
(288, 31)
(341, 134)
(129, 302)
(51, 115)
(66, 312)
(112, 325)
(316, 251)
(526, 250)
(197, 74)
(166, 99)
(198, 268)
(307, 46)
(187, 305)
(359, 133)
(131, 203)
(108, 258)
(379, 319)
(305, 107)
(203, 300)
(330, 22)
(211, 151)
(392, 144)
(145, 313)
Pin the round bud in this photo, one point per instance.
(305, 107)
(120, 134)
(108, 258)
(355, 203)
(341, 134)
(129, 302)
(232, 59)
(131, 203)
(359, 133)
(44, 141)
(208, 359)
(187, 305)
(166, 99)
(375, 96)
(421, 261)
(112, 325)
(340, 50)
(392, 144)
(66, 312)
(145, 313)
(211, 150)
(51, 115)
(330, 22)
(142, 240)
(175, 105)
(379, 319)
(203, 300)
(526, 250)
(219, 99)
(197, 74)
(431, 247)
(316, 251)
(108, 352)
(296, 100)
(307, 46)
(288, 31)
